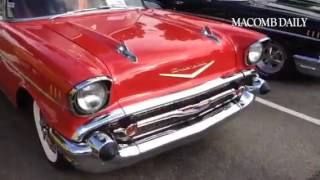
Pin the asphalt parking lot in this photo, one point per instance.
(260, 143)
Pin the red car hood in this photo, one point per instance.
(162, 45)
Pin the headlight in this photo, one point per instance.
(90, 97)
(255, 53)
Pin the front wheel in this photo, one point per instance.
(275, 63)
(51, 151)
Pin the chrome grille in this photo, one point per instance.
(179, 118)
(175, 115)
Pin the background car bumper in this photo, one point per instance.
(307, 65)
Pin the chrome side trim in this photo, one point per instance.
(156, 102)
(306, 58)
(26, 78)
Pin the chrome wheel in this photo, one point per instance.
(274, 60)
(42, 130)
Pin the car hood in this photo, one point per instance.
(161, 44)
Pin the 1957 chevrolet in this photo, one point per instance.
(112, 82)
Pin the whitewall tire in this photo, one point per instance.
(51, 151)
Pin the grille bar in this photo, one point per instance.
(188, 110)
(179, 118)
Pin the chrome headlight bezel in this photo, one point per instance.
(102, 82)
(259, 47)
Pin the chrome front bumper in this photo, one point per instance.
(84, 155)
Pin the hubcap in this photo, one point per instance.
(43, 130)
(274, 60)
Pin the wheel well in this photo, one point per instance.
(24, 99)
(284, 42)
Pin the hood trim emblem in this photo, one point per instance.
(123, 50)
(190, 76)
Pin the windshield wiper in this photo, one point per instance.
(80, 11)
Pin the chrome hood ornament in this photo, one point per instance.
(123, 50)
(189, 76)
(209, 34)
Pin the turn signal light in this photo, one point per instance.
(131, 130)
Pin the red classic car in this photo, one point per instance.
(112, 82)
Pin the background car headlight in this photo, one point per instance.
(255, 53)
(90, 97)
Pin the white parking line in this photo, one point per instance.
(288, 111)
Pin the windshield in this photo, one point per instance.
(17, 9)
(310, 5)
